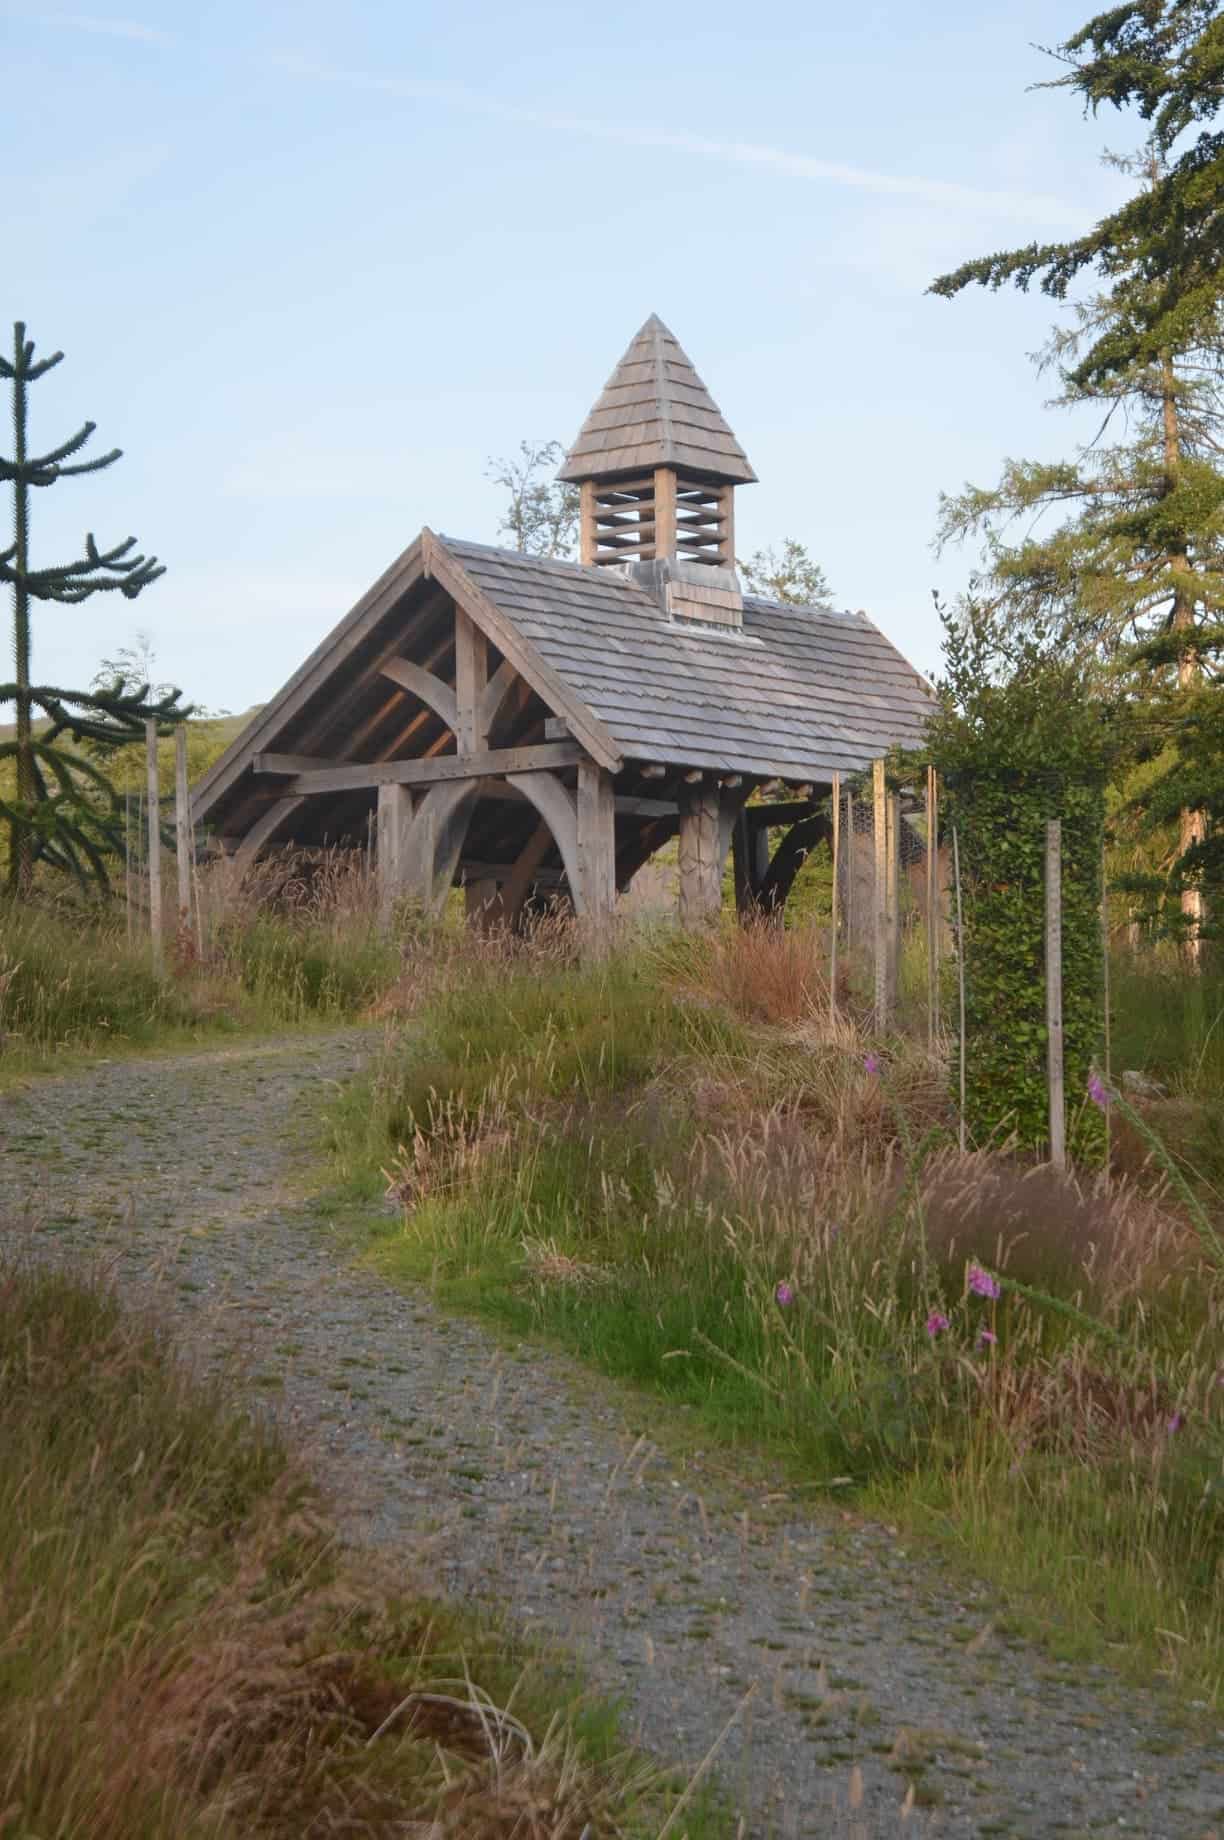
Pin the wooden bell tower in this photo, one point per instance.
(656, 464)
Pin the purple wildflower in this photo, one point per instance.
(986, 1338)
(784, 1294)
(982, 1284)
(1098, 1092)
(936, 1323)
(872, 1063)
(1174, 1422)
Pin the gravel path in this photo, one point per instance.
(532, 1484)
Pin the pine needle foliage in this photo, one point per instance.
(1161, 253)
(64, 811)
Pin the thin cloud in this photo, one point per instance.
(1032, 207)
(105, 28)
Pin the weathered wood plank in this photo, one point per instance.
(546, 757)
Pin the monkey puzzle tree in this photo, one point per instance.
(63, 810)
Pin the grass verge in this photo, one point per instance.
(679, 1167)
(186, 1651)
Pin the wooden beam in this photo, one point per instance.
(310, 676)
(431, 690)
(547, 683)
(471, 679)
(352, 777)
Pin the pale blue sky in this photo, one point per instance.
(312, 266)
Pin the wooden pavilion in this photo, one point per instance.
(522, 725)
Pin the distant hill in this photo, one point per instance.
(207, 740)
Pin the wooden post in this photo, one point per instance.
(932, 907)
(851, 855)
(154, 785)
(726, 506)
(471, 676)
(700, 854)
(182, 827)
(596, 851)
(893, 897)
(394, 818)
(586, 522)
(879, 819)
(834, 907)
(127, 863)
(664, 512)
(1107, 1044)
(960, 982)
(1053, 978)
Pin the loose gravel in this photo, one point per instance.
(867, 1691)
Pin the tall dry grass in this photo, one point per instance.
(186, 1651)
(688, 1165)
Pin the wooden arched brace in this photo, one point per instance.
(435, 839)
(558, 807)
(789, 858)
(496, 691)
(431, 690)
(263, 831)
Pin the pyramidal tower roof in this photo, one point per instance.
(656, 411)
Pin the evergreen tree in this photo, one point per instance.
(1142, 557)
(64, 811)
(1119, 554)
(1162, 252)
(786, 574)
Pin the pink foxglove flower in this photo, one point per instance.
(936, 1323)
(784, 1294)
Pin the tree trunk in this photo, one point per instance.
(1192, 825)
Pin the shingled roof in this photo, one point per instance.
(656, 411)
(799, 693)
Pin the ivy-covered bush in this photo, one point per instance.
(1019, 739)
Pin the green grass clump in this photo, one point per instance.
(185, 1650)
(300, 968)
(745, 1216)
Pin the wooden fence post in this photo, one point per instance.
(182, 827)
(960, 981)
(1107, 1044)
(932, 906)
(892, 888)
(834, 911)
(1053, 970)
(154, 850)
(879, 819)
